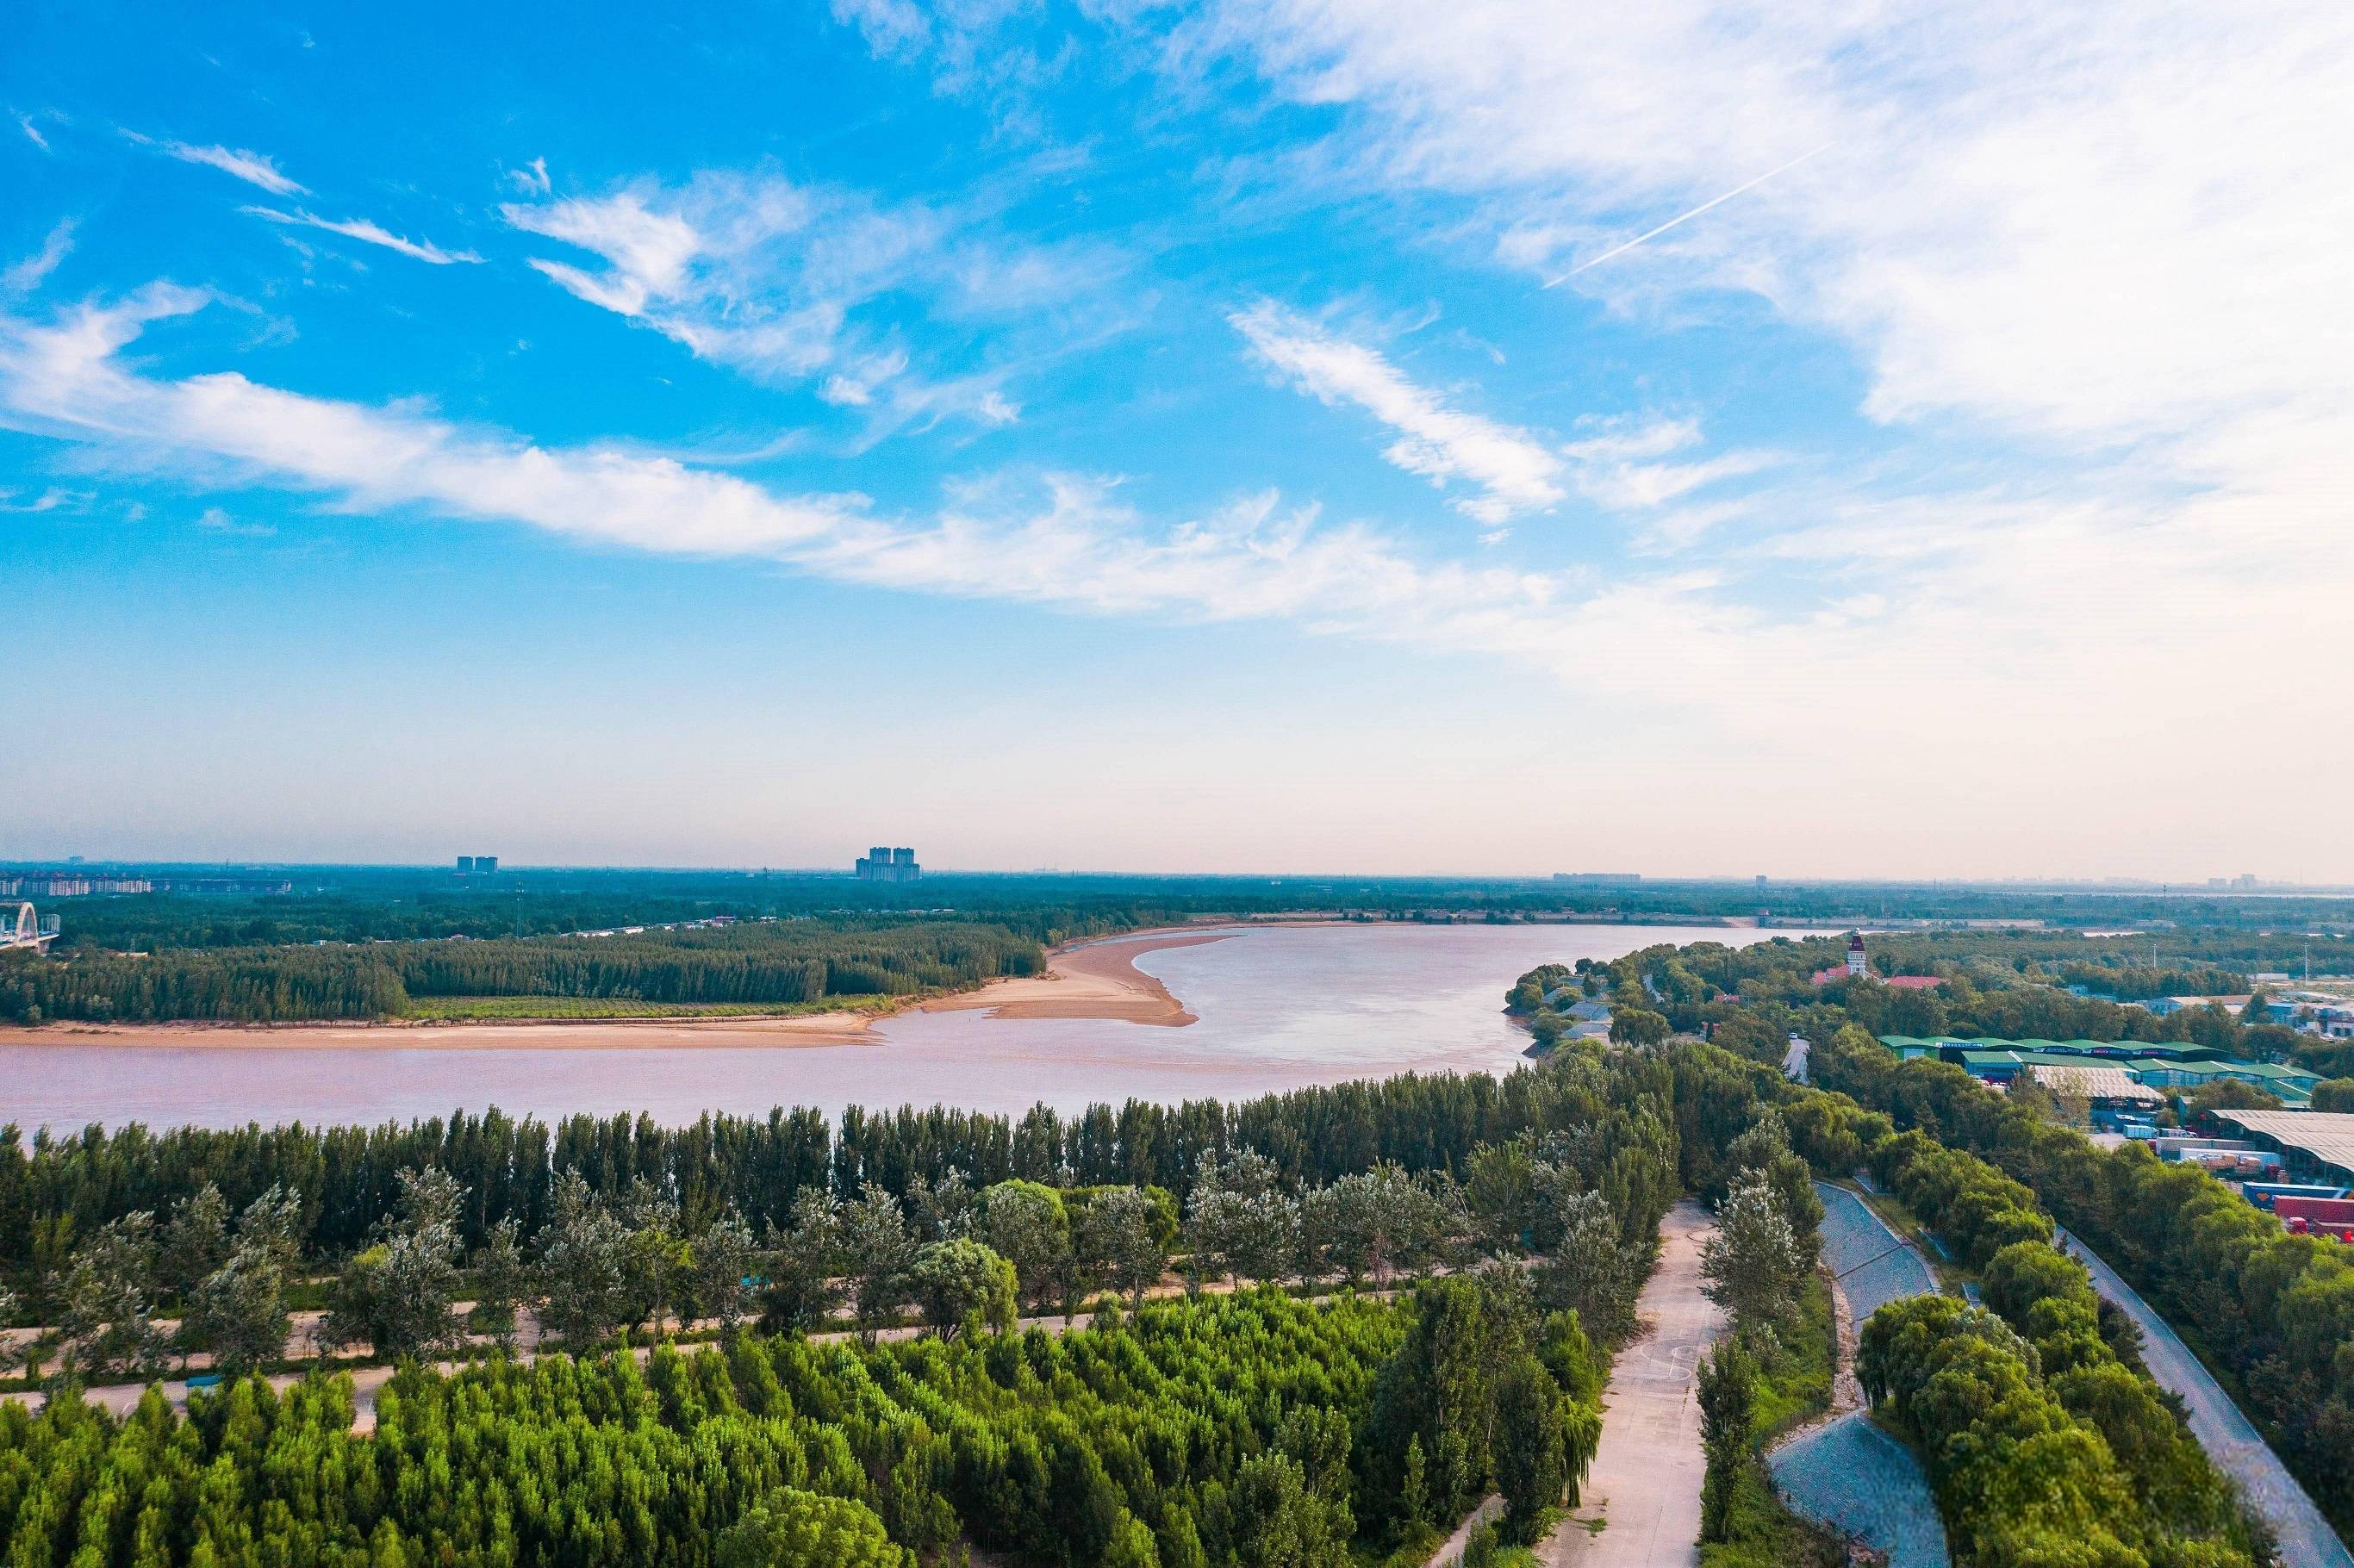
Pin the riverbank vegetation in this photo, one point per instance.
(799, 963)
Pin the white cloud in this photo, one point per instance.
(1910, 632)
(33, 132)
(1619, 467)
(2096, 252)
(253, 168)
(362, 228)
(1081, 550)
(1513, 470)
(754, 273)
(2060, 220)
(29, 274)
(889, 26)
(769, 279)
(532, 178)
(53, 499)
(213, 520)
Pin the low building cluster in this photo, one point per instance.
(2169, 1065)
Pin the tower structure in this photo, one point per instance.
(1855, 953)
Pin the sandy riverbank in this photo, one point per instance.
(1096, 980)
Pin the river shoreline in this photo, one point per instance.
(1095, 978)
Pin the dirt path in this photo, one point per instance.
(1450, 1550)
(1646, 1480)
(2230, 1438)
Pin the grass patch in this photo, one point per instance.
(1796, 1384)
(513, 1008)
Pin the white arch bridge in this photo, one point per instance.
(28, 930)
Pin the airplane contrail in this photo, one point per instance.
(1683, 216)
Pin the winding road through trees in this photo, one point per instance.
(2227, 1435)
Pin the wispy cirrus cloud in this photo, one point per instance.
(791, 283)
(364, 229)
(1513, 471)
(1623, 465)
(29, 274)
(1076, 548)
(253, 168)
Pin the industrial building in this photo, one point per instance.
(477, 865)
(881, 863)
(2315, 1146)
(2174, 1066)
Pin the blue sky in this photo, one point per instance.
(1224, 436)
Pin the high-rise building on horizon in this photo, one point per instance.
(885, 862)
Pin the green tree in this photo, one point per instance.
(1593, 1272)
(1120, 1242)
(584, 1267)
(1027, 1223)
(724, 1257)
(194, 1243)
(396, 1295)
(1530, 1442)
(794, 1529)
(502, 1284)
(1752, 1261)
(876, 1252)
(2333, 1094)
(959, 1281)
(803, 1260)
(1638, 1026)
(105, 1318)
(1728, 1403)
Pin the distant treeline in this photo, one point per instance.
(779, 961)
(362, 903)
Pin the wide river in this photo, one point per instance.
(1278, 1007)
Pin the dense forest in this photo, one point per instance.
(1221, 1430)
(782, 962)
(1248, 1430)
(56, 1189)
(361, 943)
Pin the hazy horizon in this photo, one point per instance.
(1245, 433)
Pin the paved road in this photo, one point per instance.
(1646, 1475)
(2305, 1539)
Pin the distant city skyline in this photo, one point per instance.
(1240, 436)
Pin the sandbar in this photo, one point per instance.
(1095, 980)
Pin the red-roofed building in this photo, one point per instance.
(1856, 968)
